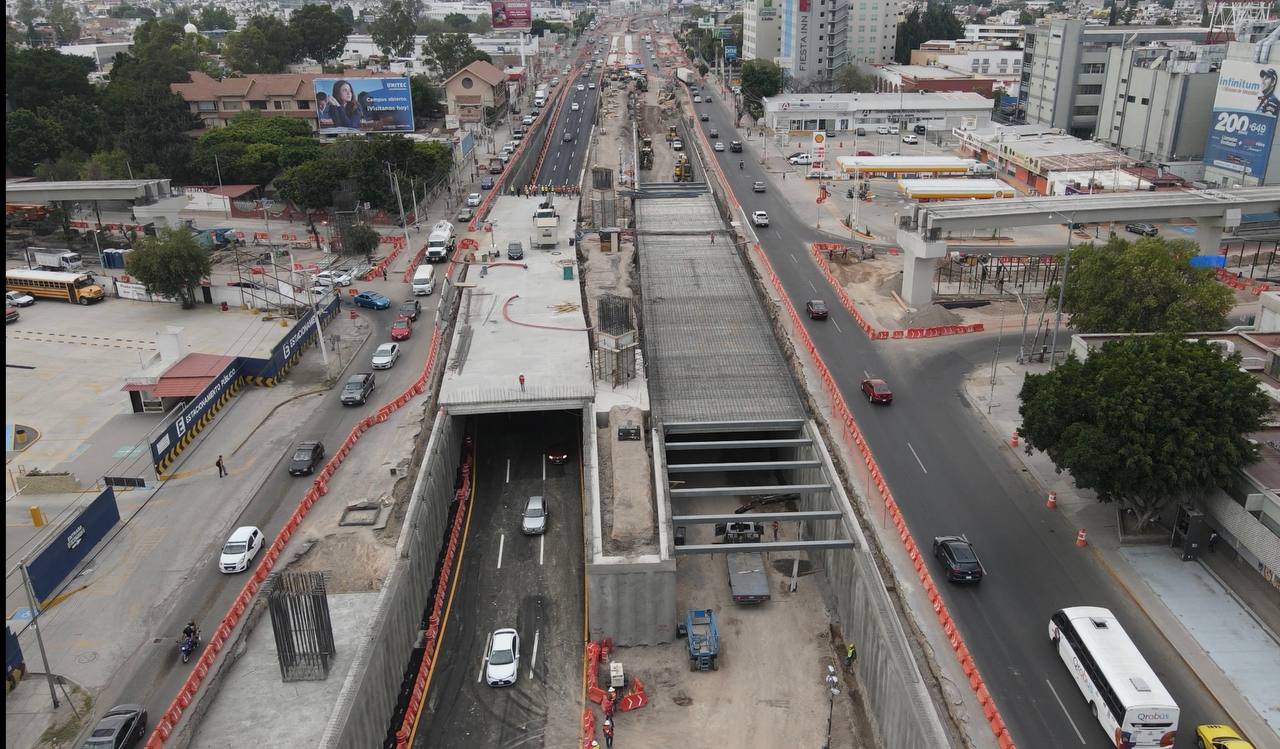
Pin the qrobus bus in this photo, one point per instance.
(1123, 692)
(44, 284)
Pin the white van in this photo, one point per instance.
(538, 101)
(424, 280)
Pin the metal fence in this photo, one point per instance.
(991, 275)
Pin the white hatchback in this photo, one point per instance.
(473, 199)
(760, 218)
(385, 356)
(239, 550)
(333, 278)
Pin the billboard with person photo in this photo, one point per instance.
(363, 105)
(511, 14)
(1243, 124)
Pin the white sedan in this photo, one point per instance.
(581, 87)
(473, 200)
(385, 356)
(574, 107)
(502, 658)
(759, 218)
(333, 278)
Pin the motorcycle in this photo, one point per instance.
(187, 646)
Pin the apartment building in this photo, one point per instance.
(991, 32)
(761, 30)
(814, 40)
(1064, 69)
(873, 29)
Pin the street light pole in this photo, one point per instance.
(1062, 289)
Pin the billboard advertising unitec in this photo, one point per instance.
(1244, 118)
(363, 105)
(511, 14)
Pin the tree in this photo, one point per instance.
(311, 186)
(253, 148)
(214, 17)
(393, 29)
(320, 33)
(849, 80)
(1142, 287)
(170, 264)
(1026, 19)
(113, 164)
(161, 52)
(937, 22)
(36, 77)
(458, 21)
(703, 69)
(30, 140)
(360, 239)
(265, 45)
(27, 15)
(151, 123)
(84, 124)
(426, 100)
(347, 14)
(1145, 421)
(449, 53)
(64, 21)
(760, 79)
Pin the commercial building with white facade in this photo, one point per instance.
(761, 29)
(844, 112)
(990, 32)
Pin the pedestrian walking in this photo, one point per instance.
(1213, 539)
(608, 733)
(222, 468)
(776, 526)
(850, 655)
(713, 237)
(384, 273)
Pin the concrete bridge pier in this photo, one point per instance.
(919, 263)
(1209, 234)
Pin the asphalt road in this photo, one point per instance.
(153, 676)
(951, 476)
(564, 159)
(508, 579)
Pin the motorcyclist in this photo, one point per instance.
(191, 631)
(742, 164)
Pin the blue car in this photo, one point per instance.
(486, 183)
(372, 300)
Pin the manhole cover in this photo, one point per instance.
(88, 657)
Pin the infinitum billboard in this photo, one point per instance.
(1244, 118)
(363, 105)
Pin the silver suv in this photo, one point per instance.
(533, 520)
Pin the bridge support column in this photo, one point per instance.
(921, 258)
(1209, 233)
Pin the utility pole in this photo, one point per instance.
(35, 622)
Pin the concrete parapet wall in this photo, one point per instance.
(363, 710)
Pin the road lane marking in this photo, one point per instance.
(534, 660)
(815, 288)
(793, 259)
(485, 660)
(542, 547)
(838, 330)
(508, 470)
(544, 467)
(921, 462)
(1064, 712)
(501, 541)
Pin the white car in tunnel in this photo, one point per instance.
(574, 107)
(502, 659)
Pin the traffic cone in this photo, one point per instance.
(1053, 500)
(1013, 441)
(1080, 538)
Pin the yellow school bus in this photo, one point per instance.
(80, 288)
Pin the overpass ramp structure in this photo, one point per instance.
(923, 232)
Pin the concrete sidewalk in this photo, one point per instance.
(1232, 650)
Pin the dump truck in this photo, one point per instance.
(683, 171)
(704, 639)
(646, 153)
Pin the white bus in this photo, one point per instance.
(1123, 692)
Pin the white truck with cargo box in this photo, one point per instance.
(59, 260)
(424, 280)
(440, 242)
(546, 222)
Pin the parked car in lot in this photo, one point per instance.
(473, 200)
(385, 356)
(120, 727)
(757, 186)
(910, 139)
(1143, 228)
(409, 309)
(515, 250)
(18, 299)
(799, 159)
(305, 458)
(817, 309)
(877, 390)
(11, 314)
(759, 218)
(240, 549)
(358, 388)
(371, 300)
(533, 520)
(958, 558)
(502, 658)
(401, 330)
(333, 278)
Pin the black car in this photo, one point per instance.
(356, 391)
(959, 559)
(409, 310)
(123, 726)
(1145, 229)
(921, 129)
(713, 133)
(735, 146)
(704, 117)
(515, 251)
(305, 458)
(817, 309)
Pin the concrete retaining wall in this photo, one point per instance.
(368, 698)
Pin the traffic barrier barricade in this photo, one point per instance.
(1052, 501)
(1082, 538)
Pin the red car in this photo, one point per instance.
(557, 456)
(817, 309)
(401, 330)
(865, 153)
(877, 390)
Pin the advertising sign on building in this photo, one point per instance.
(730, 52)
(511, 14)
(725, 32)
(363, 105)
(1243, 124)
(765, 10)
(803, 39)
(707, 22)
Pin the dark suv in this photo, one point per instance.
(959, 559)
(735, 146)
(121, 727)
(515, 251)
(305, 458)
(356, 391)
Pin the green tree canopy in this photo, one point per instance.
(937, 22)
(448, 53)
(848, 80)
(264, 45)
(1142, 287)
(30, 140)
(1146, 421)
(393, 29)
(361, 239)
(170, 264)
(65, 22)
(161, 52)
(151, 123)
(214, 17)
(251, 147)
(760, 79)
(426, 100)
(320, 33)
(311, 186)
(36, 77)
